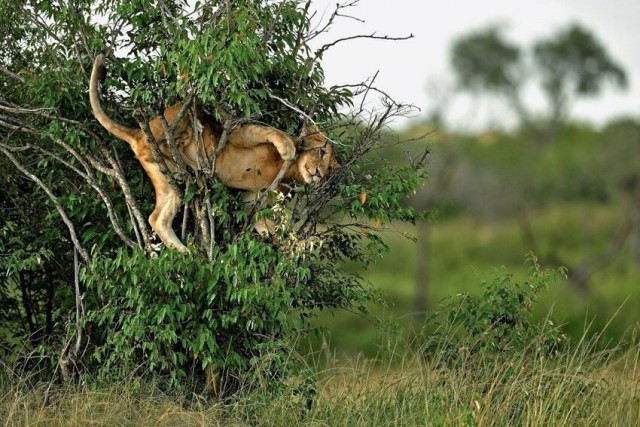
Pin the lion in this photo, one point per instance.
(250, 160)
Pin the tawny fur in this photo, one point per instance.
(250, 161)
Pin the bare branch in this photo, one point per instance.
(89, 176)
(17, 127)
(54, 200)
(79, 307)
(138, 221)
(157, 155)
(300, 35)
(11, 74)
(228, 127)
(197, 128)
(115, 172)
(171, 142)
(169, 131)
(291, 106)
(335, 14)
(273, 187)
(373, 36)
(212, 230)
(185, 216)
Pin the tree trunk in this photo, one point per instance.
(422, 272)
(635, 228)
(580, 276)
(27, 305)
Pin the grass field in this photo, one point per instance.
(374, 370)
(581, 386)
(375, 373)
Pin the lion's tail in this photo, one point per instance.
(126, 134)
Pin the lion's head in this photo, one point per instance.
(317, 158)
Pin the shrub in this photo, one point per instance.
(236, 300)
(495, 323)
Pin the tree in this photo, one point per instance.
(484, 62)
(121, 302)
(570, 64)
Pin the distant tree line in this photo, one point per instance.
(570, 64)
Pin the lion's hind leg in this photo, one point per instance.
(161, 219)
(248, 136)
(168, 202)
(264, 226)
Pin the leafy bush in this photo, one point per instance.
(172, 314)
(237, 309)
(496, 323)
(233, 304)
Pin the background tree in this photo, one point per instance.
(484, 62)
(569, 64)
(237, 299)
(573, 63)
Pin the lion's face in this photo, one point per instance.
(317, 158)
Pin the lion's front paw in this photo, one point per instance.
(287, 150)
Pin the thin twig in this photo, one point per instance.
(291, 106)
(169, 130)
(227, 128)
(92, 181)
(185, 215)
(157, 155)
(373, 36)
(212, 239)
(273, 187)
(137, 219)
(171, 142)
(54, 200)
(79, 308)
(11, 74)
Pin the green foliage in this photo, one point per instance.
(242, 59)
(34, 289)
(177, 315)
(574, 60)
(172, 313)
(231, 308)
(496, 323)
(570, 64)
(483, 60)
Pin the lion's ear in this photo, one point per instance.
(309, 128)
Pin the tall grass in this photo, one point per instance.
(579, 386)
(480, 360)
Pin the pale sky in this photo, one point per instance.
(415, 71)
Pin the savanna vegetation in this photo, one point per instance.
(504, 291)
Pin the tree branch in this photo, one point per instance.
(90, 177)
(373, 36)
(11, 74)
(157, 155)
(138, 220)
(54, 200)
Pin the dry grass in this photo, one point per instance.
(580, 387)
(121, 405)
